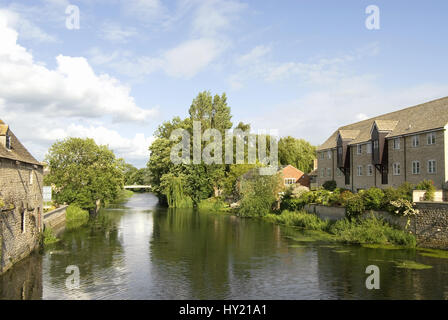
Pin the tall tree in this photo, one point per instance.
(296, 152)
(83, 172)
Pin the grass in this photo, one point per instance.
(433, 253)
(407, 264)
(213, 204)
(49, 237)
(76, 217)
(367, 231)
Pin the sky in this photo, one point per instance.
(301, 67)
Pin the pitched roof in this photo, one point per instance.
(18, 151)
(427, 116)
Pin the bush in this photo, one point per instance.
(76, 217)
(406, 190)
(212, 204)
(299, 219)
(427, 185)
(49, 237)
(330, 185)
(373, 198)
(258, 195)
(355, 206)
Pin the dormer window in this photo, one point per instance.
(8, 142)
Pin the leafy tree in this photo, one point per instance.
(296, 152)
(83, 172)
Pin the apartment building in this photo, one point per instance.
(406, 145)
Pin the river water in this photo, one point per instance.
(142, 251)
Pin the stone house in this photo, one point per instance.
(21, 181)
(409, 145)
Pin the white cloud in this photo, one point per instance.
(183, 61)
(27, 29)
(115, 33)
(72, 89)
(148, 11)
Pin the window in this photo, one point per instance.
(329, 172)
(329, 154)
(322, 172)
(376, 144)
(397, 143)
(340, 151)
(8, 142)
(369, 147)
(322, 155)
(415, 141)
(370, 170)
(359, 171)
(396, 169)
(431, 138)
(415, 167)
(432, 166)
(359, 148)
(31, 177)
(22, 219)
(289, 181)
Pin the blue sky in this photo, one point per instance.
(300, 67)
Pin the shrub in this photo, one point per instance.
(427, 185)
(330, 185)
(258, 195)
(390, 194)
(299, 219)
(406, 190)
(355, 206)
(49, 237)
(373, 198)
(76, 217)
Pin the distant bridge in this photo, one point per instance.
(137, 187)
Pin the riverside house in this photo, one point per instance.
(21, 178)
(408, 145)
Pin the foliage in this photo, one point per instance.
(212, 204)
(76, 217)
(299, 219)
(258, 195)
(232, 176)
(296, 152)
(83, 172)
(2, 203)
(355, 206)
(173, 189)
(373, 198)
(428, 186)
(405, 208)
(49, 237)
(330, 185)
(370, 231)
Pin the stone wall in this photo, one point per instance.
(430, 226)
(55, 218)
(20, 227)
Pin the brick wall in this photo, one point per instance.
(20, 184)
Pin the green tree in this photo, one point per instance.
(83, 172)
(296, 152)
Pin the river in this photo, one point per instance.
(143, 251)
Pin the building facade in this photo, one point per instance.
(290, 175)
(409, 145)
(21, 181)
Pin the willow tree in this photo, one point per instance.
(172, 187)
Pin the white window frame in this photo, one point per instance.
(416, 167)
(396, 169)
(329, 172)
(329, 152)
(432, 166)
(396, 143)
(369, 170)
(360, 169)
(431, 138)
(369, 148)
(415, 141)
(359, 149)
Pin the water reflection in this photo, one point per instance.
(142, 251)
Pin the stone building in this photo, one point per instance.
(408, 145)
(21, 181)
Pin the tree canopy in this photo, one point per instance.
(82, 172)
(296, 152)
